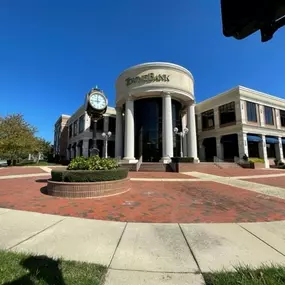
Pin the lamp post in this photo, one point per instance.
(182, 135)
(106, 136)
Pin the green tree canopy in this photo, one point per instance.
(17, 137)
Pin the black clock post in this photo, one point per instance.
(96, 106)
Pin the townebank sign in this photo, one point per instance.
(148, 78)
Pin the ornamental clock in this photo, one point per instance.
(96, 103)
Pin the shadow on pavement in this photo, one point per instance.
(44, 190)
(42, 180)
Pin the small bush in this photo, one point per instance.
(182, 159)
(88, 175)
(92, 163)
(245, 157)
(256, 160)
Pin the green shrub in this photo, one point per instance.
(182, 159)
(281, 165)
(257, 160)
(92, 163)
(88, 175)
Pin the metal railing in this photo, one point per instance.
(139, 163)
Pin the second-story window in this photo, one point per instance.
(208, 121)
(81, 124)
(75, 128)
(70, 131)
(268, 113)
(227, 113)
(282, 118)
(251, 112)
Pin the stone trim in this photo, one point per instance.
(87, 189)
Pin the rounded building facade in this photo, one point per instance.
(151, 100)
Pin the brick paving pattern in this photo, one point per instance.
(20, 170)
(233, 172)
(272, 181)
(172, 175)
(165, 202)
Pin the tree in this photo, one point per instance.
(41, 146)
(17, 137)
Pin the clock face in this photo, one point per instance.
(98, 101)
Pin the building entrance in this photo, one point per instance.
(148, 129)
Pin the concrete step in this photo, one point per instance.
(154, 167)
(224, 165)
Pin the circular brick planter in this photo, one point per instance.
(87, 189)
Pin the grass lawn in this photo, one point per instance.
(246, 276)
(32, 163)
(23, 269)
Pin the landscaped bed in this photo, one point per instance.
(89, 177)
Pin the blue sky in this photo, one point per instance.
(53, 52)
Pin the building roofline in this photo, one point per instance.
(157, 63)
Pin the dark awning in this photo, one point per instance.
(254, 138)
(271, 140)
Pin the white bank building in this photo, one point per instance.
(153, 99)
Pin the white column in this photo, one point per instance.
(242, 111)
(67, 154)
(167, 128)
(277, 119)
(192, 136)
(202, 153)
(264, 152)
(242, 144)
(85, 147)
(217, 118)
(184, 125)
(129, 151)
(77, 149)
(279, 146)
(261, 115)
(220, 148)
(119, 133)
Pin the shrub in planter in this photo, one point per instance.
(182, 159)
(88, 175)
(256, 160)
(281, 165)
(92, 163)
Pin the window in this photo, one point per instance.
(75, 128)
(70, 131)
(268, 112)
(282, 118)
(251, 112)
(271, 150)
(112, 124)
(227, 113)
(100, 125)
(208, 121)
(81, 124)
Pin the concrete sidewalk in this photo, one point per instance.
(141, 253)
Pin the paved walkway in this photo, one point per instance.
(137, 253)
(252, 186)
